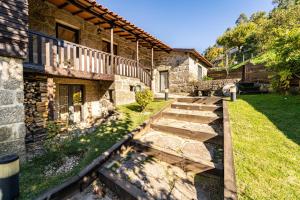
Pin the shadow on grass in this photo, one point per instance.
(88, 147)
(283, 111)
(134, 107)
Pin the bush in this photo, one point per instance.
(206, 78)
(143, 98)
(52, 142)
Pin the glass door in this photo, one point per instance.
(70, 103)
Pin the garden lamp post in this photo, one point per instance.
(166, 94)
(9, 177)
(233, 93)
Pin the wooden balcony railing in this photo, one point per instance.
(58, 57)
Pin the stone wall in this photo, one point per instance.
(96, 97)
(43, 17)
(12, 128)
(194, 69)
(124, 89)
(214, 84)
(42, 102)
(177, 64)
(182, 68)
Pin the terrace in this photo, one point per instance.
(51, 54)
(62, 58)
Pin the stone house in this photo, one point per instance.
(178, 69)
(72, 61)
(66, 60)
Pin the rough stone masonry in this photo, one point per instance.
(12, 127)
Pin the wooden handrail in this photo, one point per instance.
(47, 51)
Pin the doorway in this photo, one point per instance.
(164, 80)
(70, 103)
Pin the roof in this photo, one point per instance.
(196, 54)
(100, 16)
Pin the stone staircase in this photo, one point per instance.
(179, 156)
(181, 136)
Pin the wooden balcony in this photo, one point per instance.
(50, 55)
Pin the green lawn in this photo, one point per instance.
(266, 138)
(32, 177)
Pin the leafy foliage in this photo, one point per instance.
(241, 19)
(143, 98)
(273, 38)
(207, 78)
(52, 143)
(214, 52)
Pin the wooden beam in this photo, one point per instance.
(112, 48)
(77, 12)
(100, 23)
(120, 31)
(88, 9)
(63, 5)
(57, 71)
(90, 18)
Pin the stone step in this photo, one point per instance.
(202, 100)
(191, 155)
(196, 106)
(204, 117)
(136, 175)
(189, 130)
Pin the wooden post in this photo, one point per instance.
(137, 57)
(152, 67)
(152, 62)
(112, 49)
(47, 53)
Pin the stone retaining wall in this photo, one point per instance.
(214, 85)
(125, 89)
(12, 128)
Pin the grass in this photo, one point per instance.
(266, 138)
(32, 177)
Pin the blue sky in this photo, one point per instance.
(185, 23)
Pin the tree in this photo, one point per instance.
(237, 36)
(283, 57)
(285, 3)
(258, 17)
(214, 52)
(241, 19)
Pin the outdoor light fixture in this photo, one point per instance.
(232, 93)
(9, 177)
(166, 94)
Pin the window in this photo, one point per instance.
(106, 47)
(200, 75)
(132, 88)
(67, 33)
(70, 96)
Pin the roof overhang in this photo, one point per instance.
(196, 54)
(100, 16)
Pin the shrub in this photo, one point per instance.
(143, 98)
(206, 78)
(53, 142)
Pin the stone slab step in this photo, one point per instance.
(190, 154)
(202, 100)
(195, 106)
(190, 130)
(205, 117)
(143, 176)
(124, 189)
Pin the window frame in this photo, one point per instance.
(76, 31)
